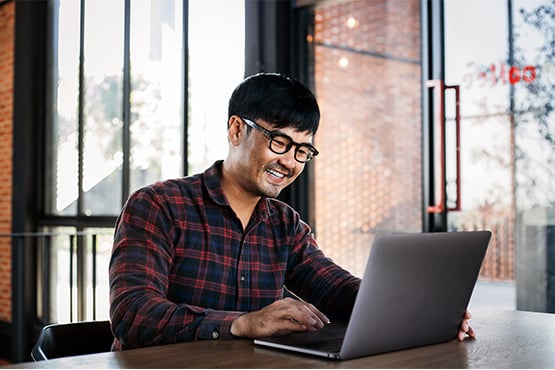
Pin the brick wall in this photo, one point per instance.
(367, 76)
(7, 15)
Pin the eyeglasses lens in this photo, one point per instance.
(282, 144)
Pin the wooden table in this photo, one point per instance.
(506, 339)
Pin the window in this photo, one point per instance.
(216, 66)
(92, 170)
(117, 123)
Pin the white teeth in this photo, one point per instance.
(276, 174)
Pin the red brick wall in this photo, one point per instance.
(367, 77)
(7, 15)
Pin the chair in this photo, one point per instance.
(78, 338)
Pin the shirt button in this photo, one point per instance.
(243, 278)
(215, 335)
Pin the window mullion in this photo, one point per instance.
(81, 110)
(126, 111)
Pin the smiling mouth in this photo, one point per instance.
(276, 174)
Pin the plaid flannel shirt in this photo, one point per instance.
(182, 267)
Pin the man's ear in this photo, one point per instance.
(235, 130)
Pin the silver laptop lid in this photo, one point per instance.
(414, 291)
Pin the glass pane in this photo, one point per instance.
(62, 199)
(78, 268)
(534, 84)
(367, 76)
(534, 126)
(102, 113)
(58, 263)
(97, 285)
(216, 66)
(476, 60)
(505, 68)
(156, 91)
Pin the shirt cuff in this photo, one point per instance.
(217, 325)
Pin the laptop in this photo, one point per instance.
(414, 292)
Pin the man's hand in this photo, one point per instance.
(465, 328)
(281, 317)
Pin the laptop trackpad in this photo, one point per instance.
(329, 338)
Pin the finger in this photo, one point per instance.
(302, 313)
(469, 331)
(310, 325)
(288, 326)
(464, 326)
(308, 318)
(317, 319)
(465, 330)
(296, 325)
(319, 314)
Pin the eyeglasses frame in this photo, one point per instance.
(272, 134)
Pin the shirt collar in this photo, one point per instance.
(213, 184)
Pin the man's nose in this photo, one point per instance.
(288, 160)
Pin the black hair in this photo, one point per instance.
(276, 99)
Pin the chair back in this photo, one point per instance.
(71, 339)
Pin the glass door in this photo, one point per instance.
(438, 116)
(502, 63)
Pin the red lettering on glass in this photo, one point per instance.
(529, 73)
(514, 75)
(493, 77)
(503, 75)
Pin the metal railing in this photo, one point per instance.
(82, 249)
(39, 259)
(499, 262)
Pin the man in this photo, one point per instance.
(210, 256)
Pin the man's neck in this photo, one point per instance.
(242, 202)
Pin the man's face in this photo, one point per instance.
(265, 172)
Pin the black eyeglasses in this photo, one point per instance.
(281, 143)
